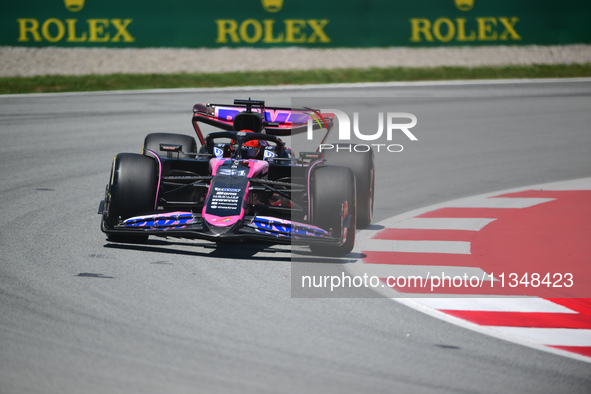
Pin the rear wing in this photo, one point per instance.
(277, 121)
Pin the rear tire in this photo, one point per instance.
(131, 192)
(332, 194)
(152, 142)
(363, 166)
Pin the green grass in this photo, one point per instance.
(12, 85)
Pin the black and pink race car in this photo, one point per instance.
(242, 183)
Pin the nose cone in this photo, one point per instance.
(219, 225)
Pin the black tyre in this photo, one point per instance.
(131, 192)
(332, 196)
(152, 142)
(363, 166)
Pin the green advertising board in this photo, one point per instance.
(284, 23)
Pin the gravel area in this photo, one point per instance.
(21, 61)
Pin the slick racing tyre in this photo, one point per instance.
(332, 198)
(131, 192)
(363, 166)
(188, 144)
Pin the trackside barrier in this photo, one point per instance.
(284, 23)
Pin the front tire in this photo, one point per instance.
(363, 166)
(332, 196)
(131, 192)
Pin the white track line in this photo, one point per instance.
(387, 245)
(424, 271)
(499, 202)
(495, 304)
(550, 336)
(569, 185)
(468, 224)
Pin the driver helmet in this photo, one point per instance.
(250, 149)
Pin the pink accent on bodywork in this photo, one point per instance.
(159, 177)
(161, 215)
(222, 221)
(345, 229)
(214, 164)
(310, 218)
(256, 167)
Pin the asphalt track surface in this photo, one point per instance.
(81, 314)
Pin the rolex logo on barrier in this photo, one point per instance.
(272, 5)
(75, 31)
(74, 5)
(272, 31)
(464, 29)
(464, 5)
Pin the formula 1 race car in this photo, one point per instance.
(243, 183)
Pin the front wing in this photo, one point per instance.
(263, 228)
